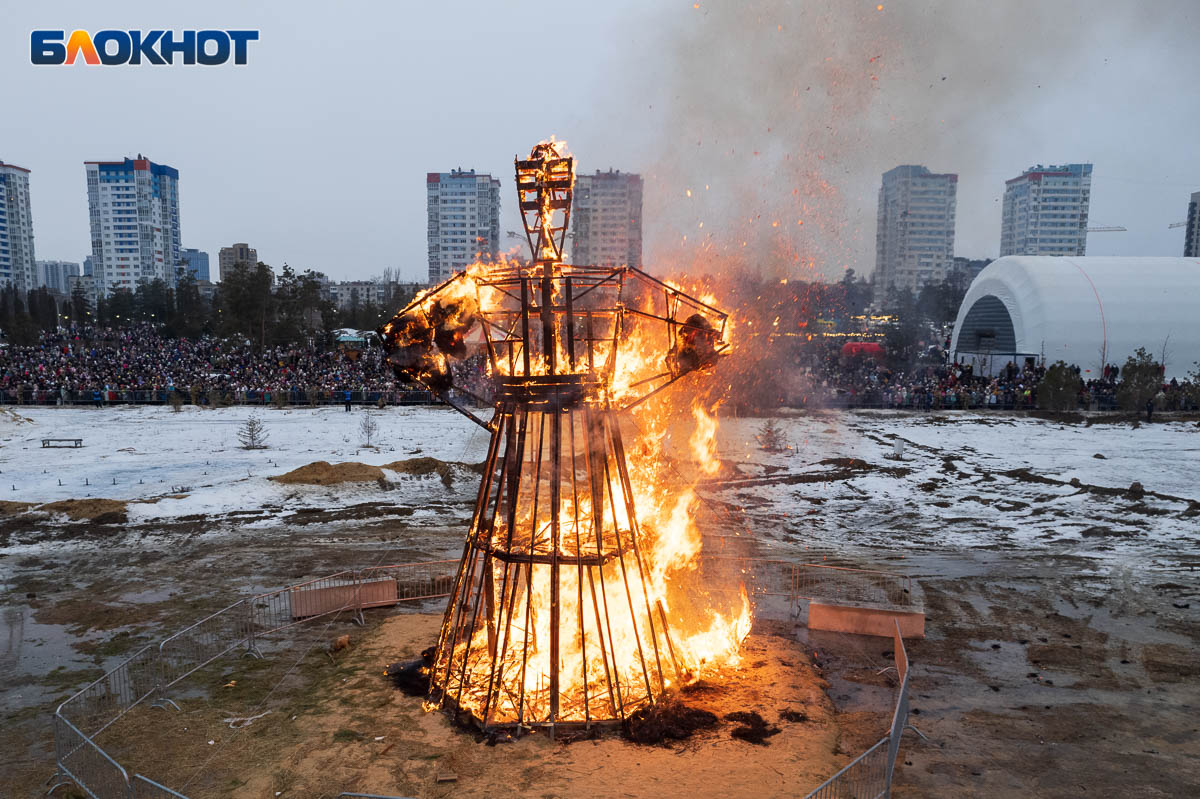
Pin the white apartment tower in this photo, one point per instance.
(17, 263)
(914, 237)
(1046, 211)
(56, 275)
(464, 220)
(606, 219)
(134, 210)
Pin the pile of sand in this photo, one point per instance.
(104, 511)
(443, 469)
(323, 473)
(13, 508)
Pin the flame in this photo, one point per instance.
(674, 624)
(704, 440)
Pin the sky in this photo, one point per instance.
(761, 127)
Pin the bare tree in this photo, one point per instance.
(368, 427)
(253, 434)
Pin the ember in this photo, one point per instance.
(574, 603)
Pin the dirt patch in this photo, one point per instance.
(101, 511)
(323, 473)
(342, 726)
(1170, 663)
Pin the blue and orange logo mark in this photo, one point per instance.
(159, 47)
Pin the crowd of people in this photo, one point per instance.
(138, 364)
(867, 383)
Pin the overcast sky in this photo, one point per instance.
(788, 112)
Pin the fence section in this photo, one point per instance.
(81, 761)
(869, 776)
(839, 583)
(865, 777)
(766, 577)
(196, 646)
(110, 697)
(278, 610)
(413, 581)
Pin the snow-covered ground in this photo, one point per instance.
(957, 483)
(144, 452)
(970, 481)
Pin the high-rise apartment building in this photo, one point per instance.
(196, 262)
(17, 263)
(914, 237)
(134, 209)
(1191, 235)
(56, 275)
(464, 220)
(1046, 211)
(240, 253)
(606, 219)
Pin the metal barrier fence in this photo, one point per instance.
(866, 777)
(278, 610)
(767, 577)
(149, 672)
(110, 697)
(869, 776)
(196, 646)
(819, 581)
(81, 761)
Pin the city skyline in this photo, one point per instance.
(1006, 90)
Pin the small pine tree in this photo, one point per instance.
(253, 434)
(313, 396)
(368, 427)
(279, 398)
(176, 400)
(1058, 390)
(1141, 379)
(194, 390)
(770, 437)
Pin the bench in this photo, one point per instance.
(62, 442)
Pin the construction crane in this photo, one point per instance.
(1107, 229)
(1174, 225)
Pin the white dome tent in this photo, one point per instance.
(1086, 311)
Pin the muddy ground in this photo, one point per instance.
(1058, 663)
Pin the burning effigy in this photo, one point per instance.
(570, 605)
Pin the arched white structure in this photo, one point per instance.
(1086, 311)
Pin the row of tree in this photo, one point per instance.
(253, 301)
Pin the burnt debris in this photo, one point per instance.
(412, 676)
